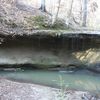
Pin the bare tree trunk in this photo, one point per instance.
(84, 21)
(57, 13)
(43, 6)
(59, 2)
(71, 6)
(70, 13)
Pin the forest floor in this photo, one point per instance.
(17, 17)
(10, 90)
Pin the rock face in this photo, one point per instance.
(19, 44)
(47, 49)
(40, 52)
(23, 91)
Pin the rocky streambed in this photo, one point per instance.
(10, 90)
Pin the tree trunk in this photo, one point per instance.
(43, 6)
(59, 2)
(56, 16)
(84, 21)
(69, 16)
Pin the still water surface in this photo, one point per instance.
(80, 80)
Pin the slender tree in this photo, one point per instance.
(54, 19)
(69, 15)
(59, 2)
(84, 21)
(43, 6)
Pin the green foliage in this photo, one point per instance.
(43, 22)
(62, 93)
(63, 87)
(59, 24)
(38, 22)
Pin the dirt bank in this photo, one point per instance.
(10, 90)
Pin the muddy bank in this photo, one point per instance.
(10, 90)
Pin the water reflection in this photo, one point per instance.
(80, 80)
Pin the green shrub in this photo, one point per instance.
(38, 21)
(43, 22)
(59, 24)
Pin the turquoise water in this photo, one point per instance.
(80, 80)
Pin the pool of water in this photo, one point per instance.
(80, 80)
